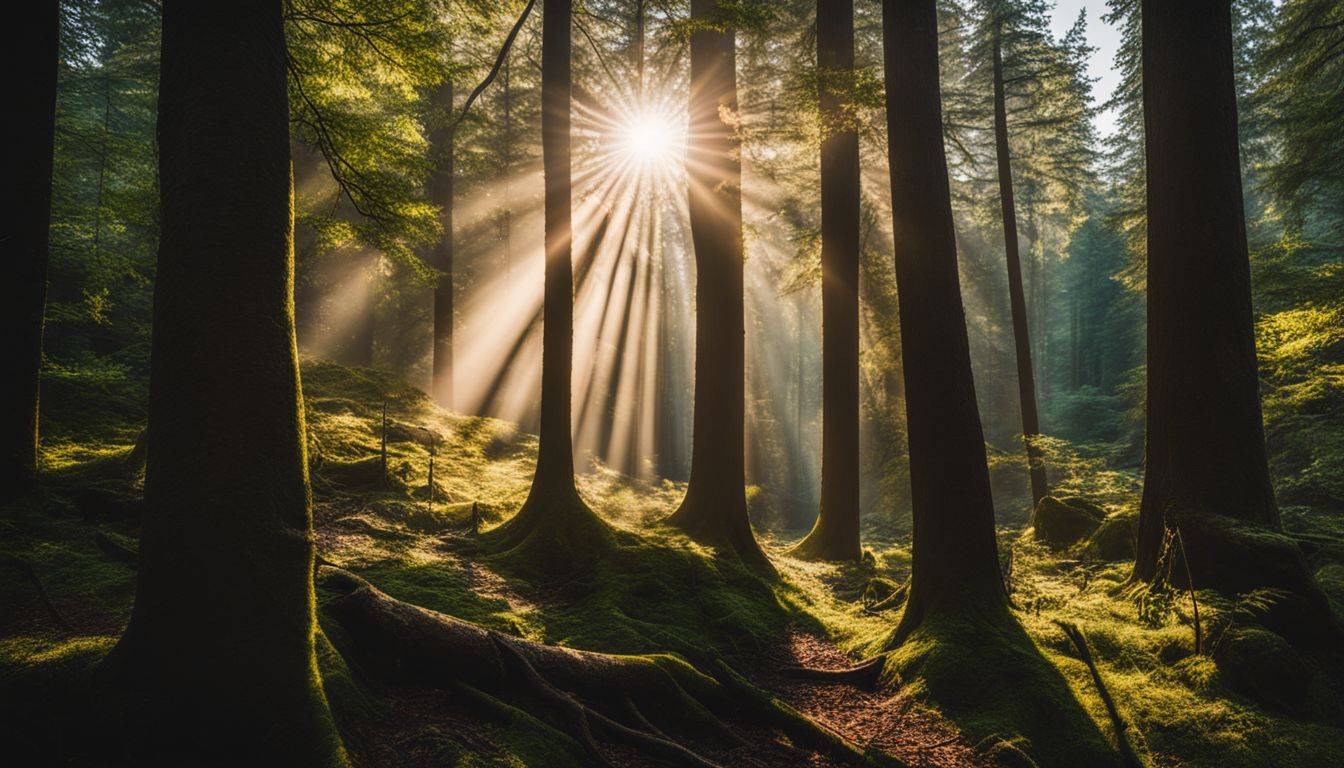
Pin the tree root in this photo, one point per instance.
(651, 703)
(42, 592)
(864, 674)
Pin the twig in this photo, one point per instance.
(1190, 584)
(1127, 753)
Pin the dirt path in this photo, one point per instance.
(888, 720)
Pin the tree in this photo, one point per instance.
(553, 510)
(715, 508)
(441, 257)
(836, 533)
(219, 652)
(1026, 378)
(1205, 472)
(24, 231)
(954, 557)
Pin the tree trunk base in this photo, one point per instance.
(1236, 557)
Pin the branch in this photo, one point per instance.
(494, 70)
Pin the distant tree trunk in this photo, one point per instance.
(358, 347)
(955, 565)
(34, 50)
(217, 665)
(1205, 471)
(441, 195)
(1026, 377)
(836, 534)
(715, 507)
(553, 508)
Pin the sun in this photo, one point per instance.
(649, 138)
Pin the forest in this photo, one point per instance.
(874, 383)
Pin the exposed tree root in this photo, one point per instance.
(864, 674)
(655, 704)
(116, 550)
(41, 591)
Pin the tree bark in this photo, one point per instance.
(217, 665)
(715, 508)
(441, 195)
(1026, 377)
(955, 564)
(1206, 443)
(555, 457)
(836, 533)
(34, 50)
(554, 516)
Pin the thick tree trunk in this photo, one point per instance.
(1205, 471)
(34, 50)
(1206, 445)
(441, 258)
(955, 565)
(715, 507)
(1026, 377)
(836, 534)
(217, 665)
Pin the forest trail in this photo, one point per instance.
(888, 719)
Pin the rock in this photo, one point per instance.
(1115, 539)
(1263, 667)
(1060, 522)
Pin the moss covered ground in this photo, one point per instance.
(650, 591)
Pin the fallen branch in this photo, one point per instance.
(1075, 636)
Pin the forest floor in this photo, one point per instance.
(66, 582)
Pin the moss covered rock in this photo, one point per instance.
(1263, 667)
(1061, 522)
(1236, 557)
(1114, 539)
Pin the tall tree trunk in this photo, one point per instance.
(553, 510)
(555, 457)
(441, 195)
(836, 534)
(1026, 377)
(1205, 472)
(955, 564)
(715, 507)
(217, 665)
(34, 49)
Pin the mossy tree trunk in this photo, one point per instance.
(217, 664)
(1206, 442)
(1026, 377)
(441, 257)
(715, 508)
(553, 511)
(1205, 469)
(836, 533)
(34, 50)
(955, 564)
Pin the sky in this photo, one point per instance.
(1102, 36)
